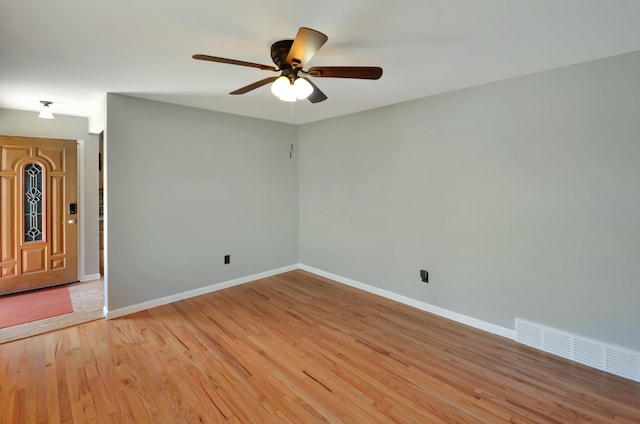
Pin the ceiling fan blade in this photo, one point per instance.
(254, 85)
(306, 44)
(317, 95)
(359, 72)
(233, 62)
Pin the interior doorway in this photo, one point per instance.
(87, 296)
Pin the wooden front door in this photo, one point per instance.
(38, 231)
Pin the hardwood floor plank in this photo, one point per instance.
(297, 348)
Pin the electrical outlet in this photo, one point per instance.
(227, 259)
(424, 276)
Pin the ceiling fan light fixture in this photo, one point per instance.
(289, 97)
(302, 88)
(45, 110)
(288, 92)
(281, 87)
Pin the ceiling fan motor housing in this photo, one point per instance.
(279, 52)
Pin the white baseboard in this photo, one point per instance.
(110, 314)
(90, 277)
(454, 316)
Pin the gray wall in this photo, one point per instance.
(522, 199)
(185, 187)
(27, 124)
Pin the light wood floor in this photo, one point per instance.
(87, 299)
(297, 348)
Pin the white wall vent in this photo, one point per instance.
(603, 356)
(624, 364)
(588, 353)
(557, 343)
(530, 334)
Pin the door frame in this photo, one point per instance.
(81, 212)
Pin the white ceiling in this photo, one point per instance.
(72, 52)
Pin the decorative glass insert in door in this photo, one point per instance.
(33, 202)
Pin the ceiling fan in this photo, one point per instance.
(290, 57)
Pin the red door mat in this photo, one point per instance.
(34, 305)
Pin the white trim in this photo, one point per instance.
(192, 293)
(90, 277)
(463, 319)
(105, 219)
(80, 183)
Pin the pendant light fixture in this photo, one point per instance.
(45, 110)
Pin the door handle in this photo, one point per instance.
(71, 221)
